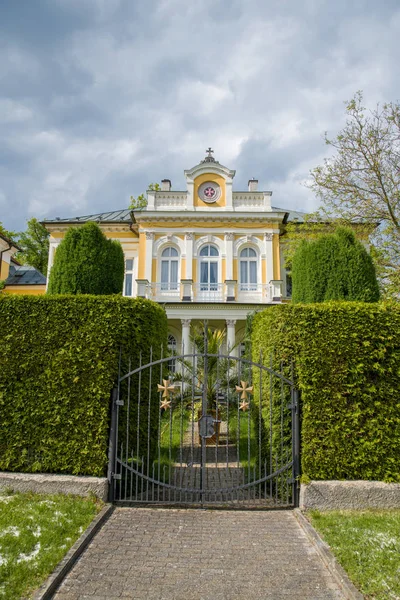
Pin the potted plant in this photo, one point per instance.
(210, 377)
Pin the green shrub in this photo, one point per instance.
(59, 361)
(334, 267)
(86, 262)
(347, 359)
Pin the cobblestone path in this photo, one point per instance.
(165, 554)
(222, 468)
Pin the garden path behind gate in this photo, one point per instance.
(144, 553)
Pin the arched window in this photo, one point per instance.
(169, 269)
(209, 268)
(172, 349)
(248, 270)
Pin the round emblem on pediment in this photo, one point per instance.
(209, 192)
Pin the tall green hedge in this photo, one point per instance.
(347, 361)
(59, 361)
(86, 262)
(334, 267)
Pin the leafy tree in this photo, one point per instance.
(360, 181)
(141, 201)
(86, 262)
(35, 246)
(11, 235)
(334, 267)
(315, 225)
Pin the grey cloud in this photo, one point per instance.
(100, 97)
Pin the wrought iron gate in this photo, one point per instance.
(204, 429)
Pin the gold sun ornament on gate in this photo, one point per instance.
(167, 389)
(244, 389)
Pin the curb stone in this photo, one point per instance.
(48, 589)
(338, 573)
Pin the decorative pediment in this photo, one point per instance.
(209, 165)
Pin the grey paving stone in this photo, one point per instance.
(176, 554)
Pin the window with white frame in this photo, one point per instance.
(128, 283)
(208, 258)
(169, 269)
(248, 270)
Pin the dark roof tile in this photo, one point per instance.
(116, 216)
(25, 275)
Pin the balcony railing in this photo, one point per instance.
(165, 292)
(208, 292)
(230, 291)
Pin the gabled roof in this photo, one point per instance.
(9, 242)
(125, 216)
(116, 216)
(25, 275)
(294, 215)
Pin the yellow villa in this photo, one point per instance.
(207, 252)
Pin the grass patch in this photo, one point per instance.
(245, 433)
(367, 545)
(36, 531)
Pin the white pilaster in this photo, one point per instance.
(269, 254)
(151, 200)
(52, 251)
(267, 200)
(189, 237)
(190, 195)
(229, 255)
(149, 255)
(185, 335)
(228, 194)
(231, 336)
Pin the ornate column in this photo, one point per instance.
(149, 255)
(186, 335)
(231, 336)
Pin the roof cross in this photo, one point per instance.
(210, 151)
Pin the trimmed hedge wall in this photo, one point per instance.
(347, 360)
(59, 361)
(87, 262)
(333, 267)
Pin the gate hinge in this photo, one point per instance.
(291, 480)
(116, 476)
(291, 406)
(119, 402)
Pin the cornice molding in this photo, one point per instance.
(63, 227)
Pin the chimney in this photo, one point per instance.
(165, 185)
(253, 184)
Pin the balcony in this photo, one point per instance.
(230, 291)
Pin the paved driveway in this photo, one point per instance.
(144, 553)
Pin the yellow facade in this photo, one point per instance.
(242, 227)
(4, 269)
(221, 202)
(28, 290)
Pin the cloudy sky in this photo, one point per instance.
(98, 98)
